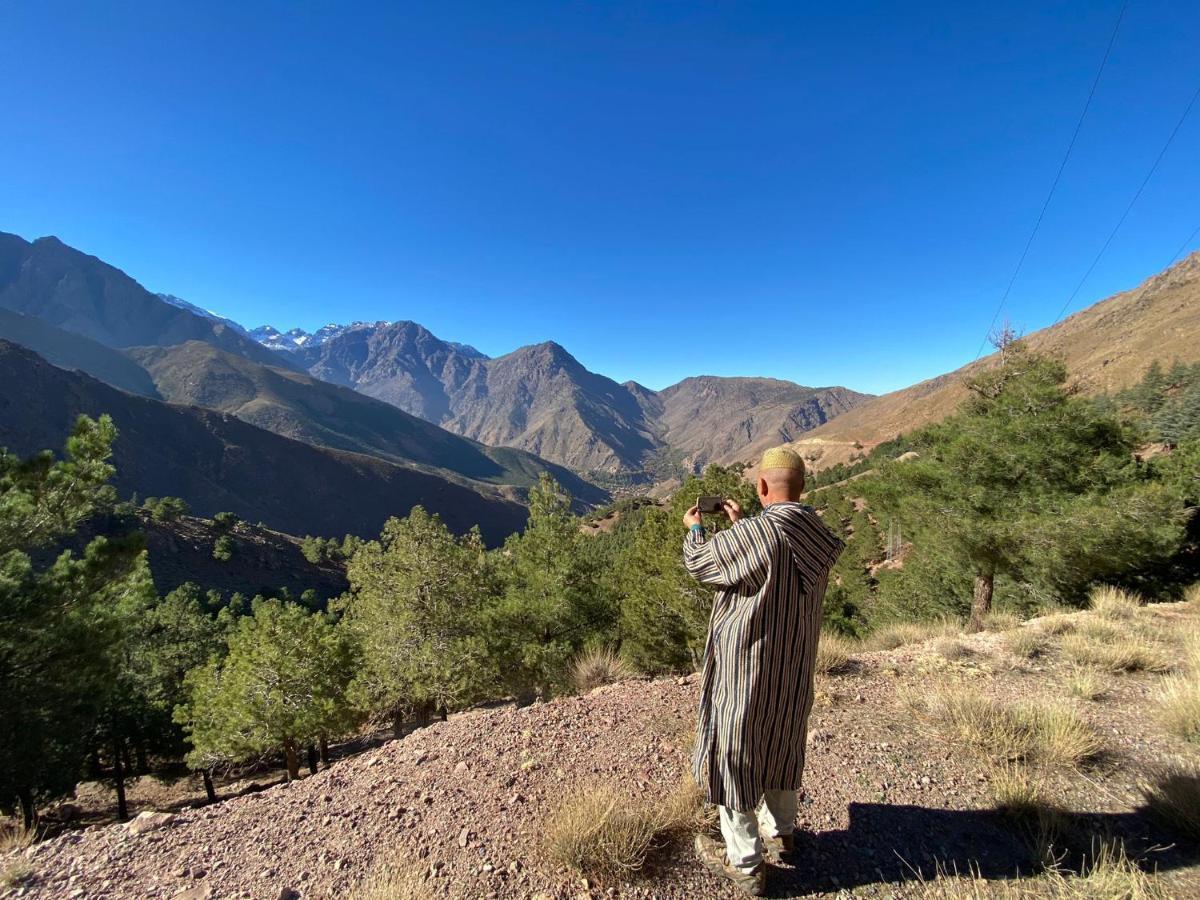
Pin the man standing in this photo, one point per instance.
(756, 690)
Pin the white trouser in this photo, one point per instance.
(743, 832)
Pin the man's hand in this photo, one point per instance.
(692, 517)
(733, 509)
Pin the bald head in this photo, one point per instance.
(780, 485)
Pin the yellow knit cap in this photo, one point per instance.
(781, 458)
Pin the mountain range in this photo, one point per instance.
(393, 412)
(541, 399)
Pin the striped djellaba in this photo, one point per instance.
(757, 687)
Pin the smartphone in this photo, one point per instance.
(711, 504)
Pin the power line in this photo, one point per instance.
(1187, 242)
(1121, 221)
(1057, 176)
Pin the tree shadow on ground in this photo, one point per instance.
(889, 843)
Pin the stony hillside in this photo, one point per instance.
(307, 409)
(897, 795)
(86, 296)
(1106, 347)
(217, 462)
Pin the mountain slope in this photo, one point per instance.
(541, 399)
(725, 420)
(82, 294)
(1106, 347)
(217, 462)
(299, 406)
(73, 351)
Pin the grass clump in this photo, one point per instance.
(1178, 701)
(1026, 643)
(834, 653)
(15, 872)
(15, 836)
(1084, 683)
(598, 666)
(1114, 603)
(1059, 623)
(1172, 795)
(1114, 652)
(1032, 730)
(600, 831)
(1191, 595)
(900, 634)
(951, 648)
(1000, 620)
(393, 879)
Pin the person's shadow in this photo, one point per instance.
(887, 843)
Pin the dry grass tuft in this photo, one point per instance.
(1060, 623)
(1021, 797)
(951, 648)
(393, 879)
(600, 831)
(1110, 875)
(1192, 596)
(1084, 683)
(901, 634)
(1178, 701)
(1114, 603)
(1115, 652)
(1026, 643)
(15, 836)
(834, 653)
(1172, 795)
(1047, 732)
(15, 872)
(1000, 621)
(596, 667)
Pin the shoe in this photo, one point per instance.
(780, 848)
(712, 854)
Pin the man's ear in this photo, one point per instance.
(762, 487)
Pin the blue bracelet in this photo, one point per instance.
(698, 527)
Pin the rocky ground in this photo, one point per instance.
(889, 804)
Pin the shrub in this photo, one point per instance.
(1026, 642)
(1172, 795)
(15, 872)
(1179, 706)
(601, 831)
(223, 548)
(1114, 603)
(834, 653)
(1032, 730)
(597, 666)
(1115, 653)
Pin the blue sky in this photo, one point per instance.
(831, 193)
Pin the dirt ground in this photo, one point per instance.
(889, 802)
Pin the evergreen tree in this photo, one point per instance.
(413, 614)
(281, 687)
(553, 601)
(664, 612)
(58, 622)
(1016, 483)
